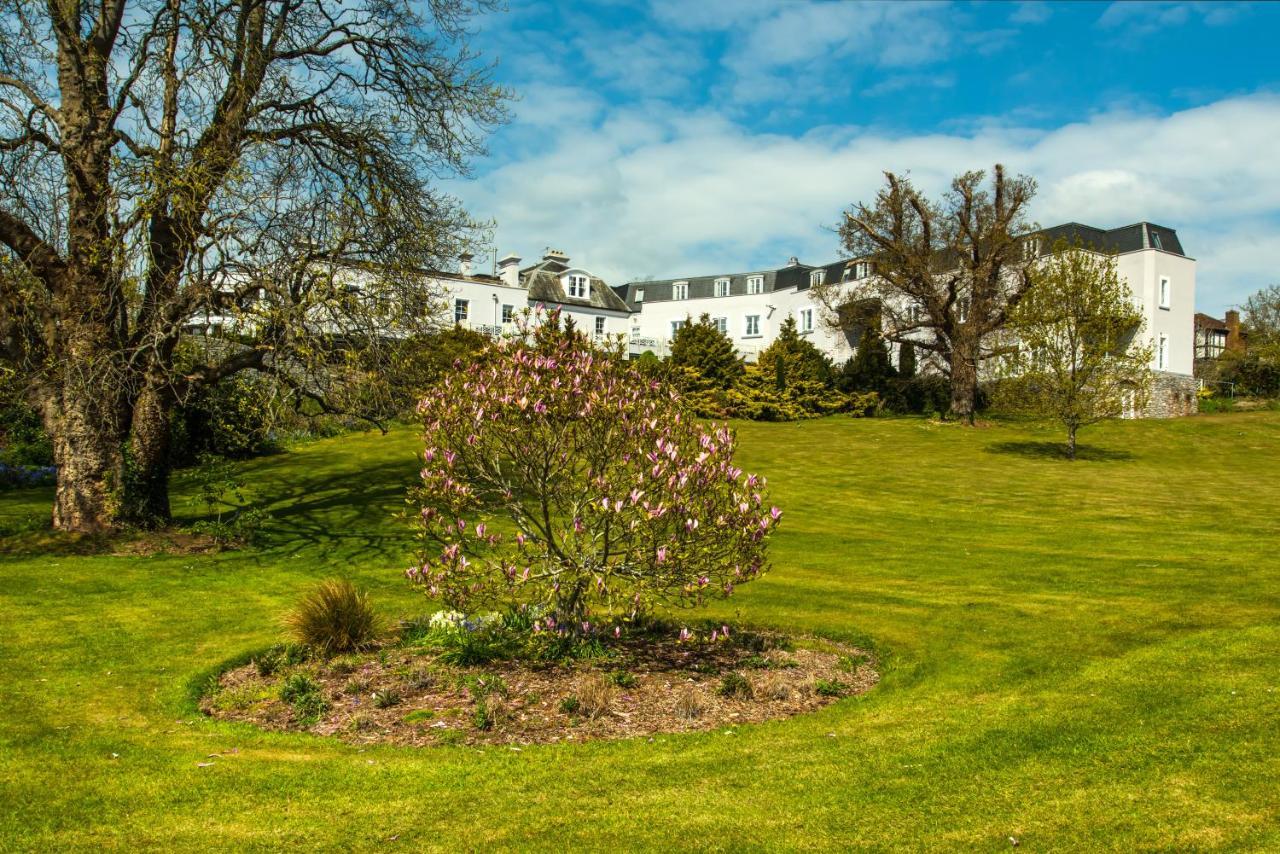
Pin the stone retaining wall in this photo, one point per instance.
(1172, 396)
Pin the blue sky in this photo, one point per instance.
(667, 138)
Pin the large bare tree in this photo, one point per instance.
(946, 272)
(264, 170)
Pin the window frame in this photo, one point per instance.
(508, 313)
(639, 295)
(1162, 352)
(679, 291)
(461, 310)
(579, 286)
(722, 287)
(817, 277)
(755, 285)
(752, 320)
(805, 317)
(600, 327)
(722, 324)
(1164, 292)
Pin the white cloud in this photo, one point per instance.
(1031, 12)
(653, 191)
(1148, 17)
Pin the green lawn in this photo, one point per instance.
(1082, 656)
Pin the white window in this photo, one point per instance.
(722, 287)
(862, 269)
(1164, 291)
(1162, 353)
(1155, 240)
(1031, 249)
(755, 284)
(721, 323)
(680, 290)
(816, 277)
(508, 313)
(676, 326)
(913, 313)
(639, 294)
(461, 310)
(599, 326)
(806, 320)
(753, 324)
(578, 287)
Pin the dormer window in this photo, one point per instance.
(722, 287)
(1031, 249)
(816, 277)
(577, 286)
(755, 284)
(639, 295)
(680, 290)
(862, 269)
(1155, 240)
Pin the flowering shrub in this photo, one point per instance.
(560, 480)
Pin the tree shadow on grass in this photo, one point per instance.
(1057, 451)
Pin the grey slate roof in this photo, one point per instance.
(660, 290)
(543, 283)
(1128, 238)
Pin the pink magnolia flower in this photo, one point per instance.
(662, 554)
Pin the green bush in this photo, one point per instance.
(231, 418)
(703, 348)
(734, 685)
(830, 688)
(278, 658)
(306, 698)
(335, 617)
(23, 441)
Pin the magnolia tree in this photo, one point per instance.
(557, 476)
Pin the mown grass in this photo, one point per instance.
(1080, 656)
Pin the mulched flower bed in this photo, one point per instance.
(407, 695)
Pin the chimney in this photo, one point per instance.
(793, 261)
(464, 263)
(509, 270)
(556, 255)
(1235, 342)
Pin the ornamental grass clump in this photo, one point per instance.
(333, 618)
(559, 479)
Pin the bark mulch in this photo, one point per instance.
(406, 695)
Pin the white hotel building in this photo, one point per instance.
(750, 306)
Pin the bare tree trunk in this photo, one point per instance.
(1071, 441)
(146, 500)
(88, 461)
(964, 382)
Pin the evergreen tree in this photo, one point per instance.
(870, 368)
(906, 360)
(704, 348)
(791, 357)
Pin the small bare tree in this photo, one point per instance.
(176, 163)
(946, 273)
(1074, 353)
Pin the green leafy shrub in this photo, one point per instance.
(279, 657)
(830, 688)
(334, 617)
(385, 698)
(622, 679)
(305, 696)
(734, 685)
(216, 483)
(231, 418)
(570, 705)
